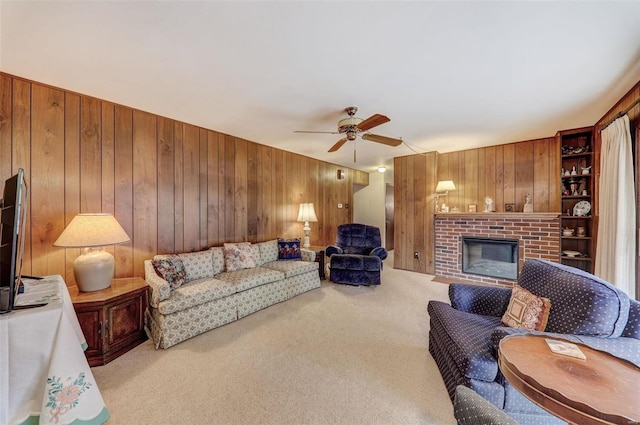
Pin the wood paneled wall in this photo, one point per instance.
(414, 183)
(628, 99)
(506, 173)
(634, 121)
(174, 187)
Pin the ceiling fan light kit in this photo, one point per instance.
(353, 126)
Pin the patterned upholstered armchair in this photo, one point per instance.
(464, 336)
(356, 258)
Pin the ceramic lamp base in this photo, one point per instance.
(306, 229)
(93, 269)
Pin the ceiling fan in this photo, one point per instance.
(352, 126)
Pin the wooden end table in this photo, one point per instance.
(319, 250)
(112, 319)
(602, 389)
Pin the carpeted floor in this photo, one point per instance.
(336, 355)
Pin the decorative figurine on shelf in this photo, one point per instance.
(573, 171)
(528, 206)
(444, 208)
(575, 187)
(586, 170)
(488, 204)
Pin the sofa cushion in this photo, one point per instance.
(255, 253)
(218, 259)
(268, 251)
(197, 264)
(582, 304)
(250, 278)
(170, 269)
(291, 268)
(526, 311)
(238, 256)
(195, 293)
(467, 338)
(289, 249)
(347, 262)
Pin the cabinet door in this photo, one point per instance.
(90, 323)
(125, 321)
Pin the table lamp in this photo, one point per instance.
(307, 214)
(442, 189)
(93, 269)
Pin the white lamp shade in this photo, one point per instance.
(307, 213)
(445, 185)
(92, 230)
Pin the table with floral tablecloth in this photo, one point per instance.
(44, 374)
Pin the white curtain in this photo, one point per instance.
(615, 254)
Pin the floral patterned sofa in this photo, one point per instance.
(464, 335)
(220, 285)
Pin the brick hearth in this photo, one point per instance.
(538, 235)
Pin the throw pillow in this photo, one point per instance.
(238, 256)
(171, 269)
(526, 310)
(289, 249)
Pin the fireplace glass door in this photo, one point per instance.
(490, 257)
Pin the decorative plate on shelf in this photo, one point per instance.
(571, 253)
(582, 208)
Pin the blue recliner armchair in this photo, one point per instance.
(356, 258)
(464, 336)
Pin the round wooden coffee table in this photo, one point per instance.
(601, 389)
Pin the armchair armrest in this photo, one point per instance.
(158, 287)
(470, 408)
(484, 300)
(621, 347)
(379, 252)
(333, 249)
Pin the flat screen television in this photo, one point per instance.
(12, 221)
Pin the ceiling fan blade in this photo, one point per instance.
(373, 121)
(338, 145)
(382, 139)
(319, 132)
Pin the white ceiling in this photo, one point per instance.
(450, 75)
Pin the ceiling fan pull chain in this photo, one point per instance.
(354, 151)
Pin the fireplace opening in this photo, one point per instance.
(490, 257)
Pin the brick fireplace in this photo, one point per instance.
(538, 236)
